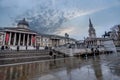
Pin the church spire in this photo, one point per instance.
(92, 33)
(90, 23)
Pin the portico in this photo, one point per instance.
(19, 36)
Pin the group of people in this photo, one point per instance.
(95, 50)
(8, 48)
(5, 48)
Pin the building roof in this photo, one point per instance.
(51, 36)
(18, 29)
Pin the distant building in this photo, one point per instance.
(93, 41)
(53, 40)
(23, 37)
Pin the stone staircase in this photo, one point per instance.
(10, 57)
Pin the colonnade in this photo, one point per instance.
(21, 39)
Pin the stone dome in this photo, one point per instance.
(23, 22)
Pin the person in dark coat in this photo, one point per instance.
(92, 49)
(26, 47)
(17, 48)
(2, 47)
(50, 53)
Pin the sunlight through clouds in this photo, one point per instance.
(65, 30)
(70, 14)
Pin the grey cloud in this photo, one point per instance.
(48, 16)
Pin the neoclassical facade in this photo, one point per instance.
(19, 36)
(52, 40)
(23, 37)
(93, 41)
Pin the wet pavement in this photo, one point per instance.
(102, 67)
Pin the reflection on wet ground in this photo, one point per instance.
(103, 67)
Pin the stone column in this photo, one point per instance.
(14, 43)
(31, 40)
(19, 39)
(35, 41)
(28, 40)
(9, 39)
(4, 39)
(24, 40)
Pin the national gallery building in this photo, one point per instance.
(23, 37)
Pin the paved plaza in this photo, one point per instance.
(102, 67)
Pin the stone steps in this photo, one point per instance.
(9, 57)
(23, 57)
(22, 51)
(21, 60)
(28, 55)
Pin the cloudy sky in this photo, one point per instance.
(62, 16)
